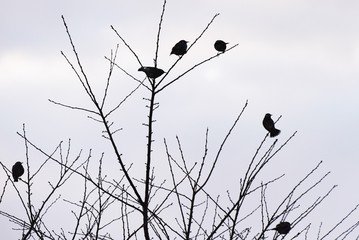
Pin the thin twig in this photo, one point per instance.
(159, 32)
(127, 45)
(85, 84)
(113, 59)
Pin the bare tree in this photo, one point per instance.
(181, 207)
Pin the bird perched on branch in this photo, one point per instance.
(268, 124)
(17, 171)
(151, 72)
(220, 45)
(180, 48)
(283, 227)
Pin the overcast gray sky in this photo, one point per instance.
(298, 59)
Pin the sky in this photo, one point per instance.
(295, 59)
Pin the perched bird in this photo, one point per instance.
(283, 227)
(268, 124)
(152, 72)
(220, 45)
(180, 48)
(17, 171)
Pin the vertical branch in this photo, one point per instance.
(204, 154)
(234, 221)
(100, 203)
(29, 191)
(6, 182)
(148, 181)
(82, 206)
(175, 186)
(191, 212)
(159, 32)
(112, 64)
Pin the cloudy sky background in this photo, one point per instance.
(298, 59)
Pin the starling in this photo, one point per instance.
(268, 124)
(220, 45)
(180, 48)
(17, 171)
(152, 72)
(283, 227)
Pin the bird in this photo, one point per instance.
(17, 171)
(268, 124)
(283, 227)
(179, 48)
(220, 45)
(151, 72)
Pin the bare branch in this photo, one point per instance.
(85, 83)
(127, 45)
(340, 222)
(113, 59)
(159, 32)
(187, 71)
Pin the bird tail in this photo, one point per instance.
(16, 179)
(275, 132)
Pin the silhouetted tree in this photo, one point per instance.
(183, 207)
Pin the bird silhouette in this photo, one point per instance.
(180, 48)
(17, 171)
(283, 227)
(268, 124)
(220, 45)
(152, 72)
